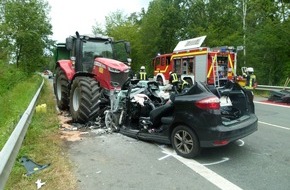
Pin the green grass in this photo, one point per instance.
(14, 103)
(42, 142)
(262, 93)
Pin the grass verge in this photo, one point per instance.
(43, 145)
(14, 102)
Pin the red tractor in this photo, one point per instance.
(85, 72)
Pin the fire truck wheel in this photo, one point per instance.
(160, 81)
(84, 99)
(60, 86)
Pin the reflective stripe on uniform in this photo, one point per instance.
(175, 77)
(252, 80)
(184, 83)
(142, 76)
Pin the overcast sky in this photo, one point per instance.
(69, 16)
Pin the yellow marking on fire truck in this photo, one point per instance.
(231, 63)
(210, 69)
(162, 71)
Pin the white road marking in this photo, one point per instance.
(167, 155)
(224, 159)
(203, 171)
(278, 126)
(240, 142)
(272, 104)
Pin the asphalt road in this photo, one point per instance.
(259, 161)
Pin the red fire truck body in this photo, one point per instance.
(194, 63)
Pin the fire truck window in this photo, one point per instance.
(168, 60)
(184, 67)
(163, 61)
(157, 61)
(190, 67)
(177, 66)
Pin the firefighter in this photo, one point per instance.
(142, 74)
(174, 80)
(251, 77)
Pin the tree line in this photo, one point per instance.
(262, 27)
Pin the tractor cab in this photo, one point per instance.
(85, 49)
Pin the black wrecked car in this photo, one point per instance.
(199, 117)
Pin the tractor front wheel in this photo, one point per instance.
(84, 99)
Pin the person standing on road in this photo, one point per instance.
(142, 74)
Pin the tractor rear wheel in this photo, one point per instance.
(84, 99)
(61, 90)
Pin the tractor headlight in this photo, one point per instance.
(114, 70)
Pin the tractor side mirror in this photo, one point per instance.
(69, 43)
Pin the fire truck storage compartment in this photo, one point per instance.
(201, 68)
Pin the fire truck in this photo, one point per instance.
(195, 63)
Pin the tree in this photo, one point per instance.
(25, 28)
(267, 42)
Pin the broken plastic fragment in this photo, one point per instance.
(39, 184)
(31, 166)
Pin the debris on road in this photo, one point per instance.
(282, 96)
(31, 166)
(41, 108)
(75, 131)
(39, 184)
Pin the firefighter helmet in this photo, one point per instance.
(250, 69)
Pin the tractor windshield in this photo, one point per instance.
(97, 48)
(113, 50)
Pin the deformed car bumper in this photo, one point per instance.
(229, 132)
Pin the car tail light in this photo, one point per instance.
(210, 103)
(220, 142)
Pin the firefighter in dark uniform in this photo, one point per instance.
(177, 84)
(142, 74)
(174, 81)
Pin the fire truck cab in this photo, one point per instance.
(195, 63)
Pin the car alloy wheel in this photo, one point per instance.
(185, 142)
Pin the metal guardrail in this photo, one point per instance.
(266, 87)
(10, 150)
